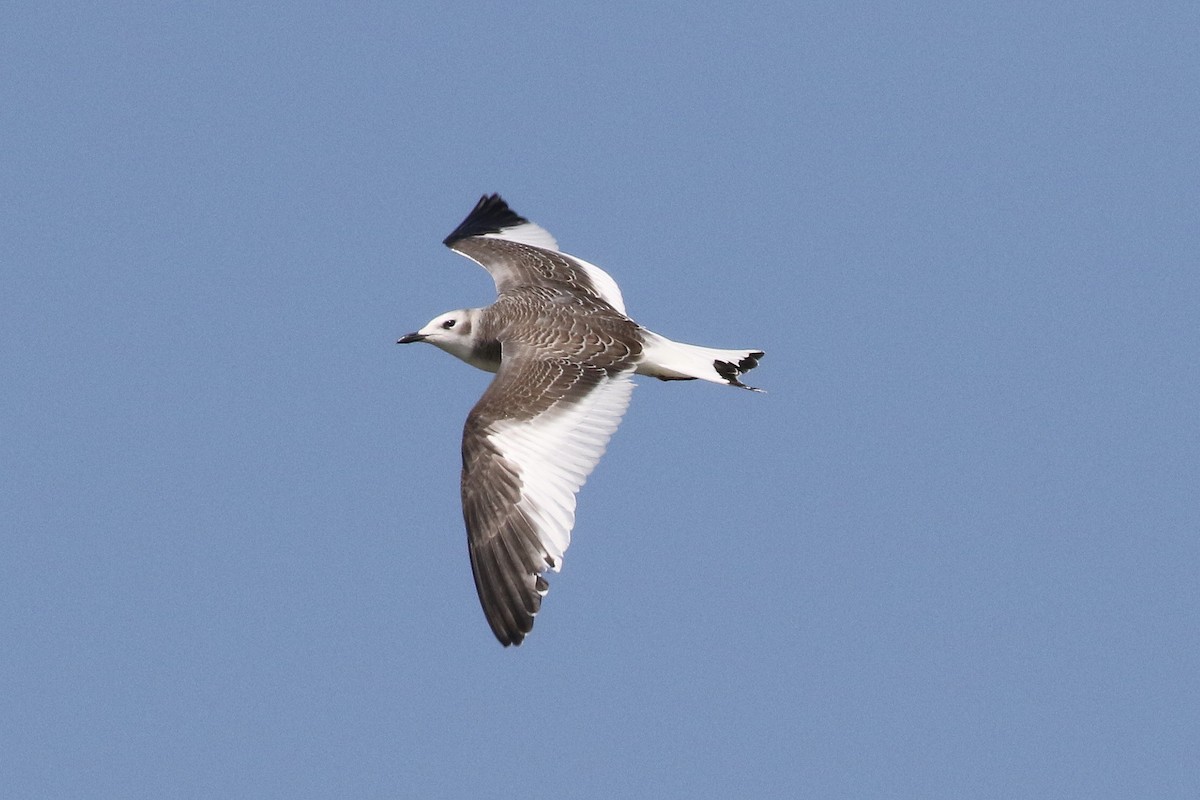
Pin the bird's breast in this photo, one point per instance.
(485, 355)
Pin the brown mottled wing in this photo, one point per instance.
(528, 446)
(517, 252)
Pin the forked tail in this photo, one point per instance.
(676, 361)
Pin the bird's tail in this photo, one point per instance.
(676, 361)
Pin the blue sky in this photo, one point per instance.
(951, 553)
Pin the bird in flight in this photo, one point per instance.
(564, 354)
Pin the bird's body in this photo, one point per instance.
(564, 353)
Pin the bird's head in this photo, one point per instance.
(453, 332)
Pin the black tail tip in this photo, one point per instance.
(750, 361)
(730, 372)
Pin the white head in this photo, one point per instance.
(457, 332)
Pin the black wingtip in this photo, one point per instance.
(490, 215)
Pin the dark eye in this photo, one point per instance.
(448, 324)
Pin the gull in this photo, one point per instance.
(564, 354)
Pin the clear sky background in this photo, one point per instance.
(952, 553)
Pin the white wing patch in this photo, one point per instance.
(555, 452)
(526, 233)
(604, 283)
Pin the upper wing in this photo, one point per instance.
(519, 253)
(528, 445)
